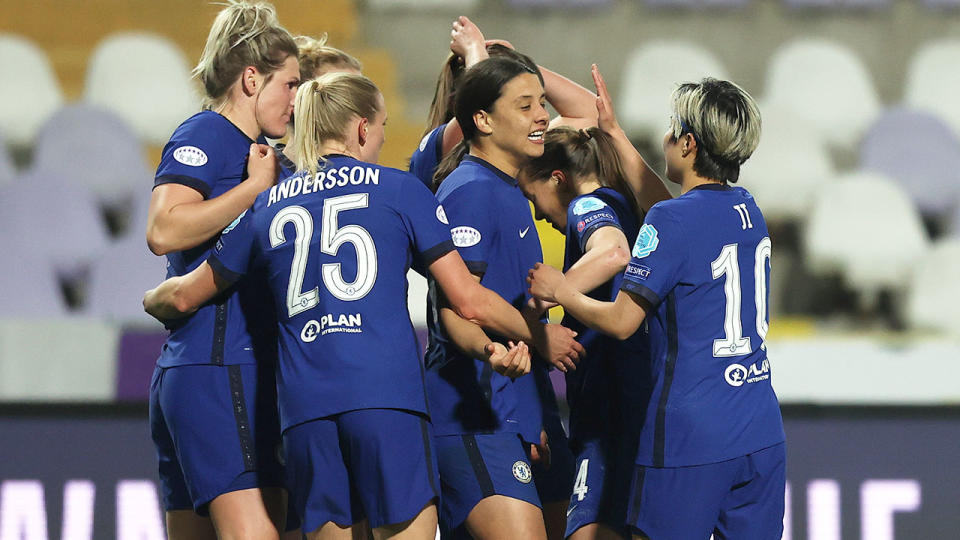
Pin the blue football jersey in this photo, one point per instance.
(608, 391)
(492, 227)
(424, 160)
(703, 261)
(209, 154)
(335, 250)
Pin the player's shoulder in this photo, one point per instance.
(431, 138)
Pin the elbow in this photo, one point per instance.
(619, 258)
(622, 332)
(158, 244)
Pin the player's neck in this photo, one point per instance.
(339, 147)
(497, 157)
(692, 180)
(588, 185)
(247, 123)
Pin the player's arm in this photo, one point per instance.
(476, 303)
(606, 256)
(575, 104)
(646, 184)
(620, 318)
(179, 218)
(182, 295)
(473, 341)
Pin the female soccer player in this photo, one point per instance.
(219, 361)
(480, 418)
(468, 46)
(580, 187)
(713, 437)
(350, 385)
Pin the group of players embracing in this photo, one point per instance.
(290, 397)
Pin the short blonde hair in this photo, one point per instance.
(725, 121)
(317, 58)
(243, 34)
(325, 106)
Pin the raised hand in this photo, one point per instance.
(262, 164)
(466, 41)
(513, 362)
(607, 119)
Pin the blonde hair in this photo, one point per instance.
(325, 106)
(243, 34)
(316, 57)
(724, 120)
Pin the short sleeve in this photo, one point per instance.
(193, 157)
(425, 220)
(232, 255)
(590, 214)
(425, 158)
(657, 257)
(468, 210)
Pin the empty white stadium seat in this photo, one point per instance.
(145, 79)
(118, 279)
(864, 226)
(934, 294)
(932, 78)
(650, 75)
(788, 167)
(30, 92)
(826, 83)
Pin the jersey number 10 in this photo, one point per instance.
(331, 239)
(734, 343)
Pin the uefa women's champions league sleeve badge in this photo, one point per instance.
(647, 241)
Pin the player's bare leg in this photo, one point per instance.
(296, 534)
(555, 519)
(332, 531)
(499, 517)
(188, 525)
(595, 531)
(421, 527)
(256, 513)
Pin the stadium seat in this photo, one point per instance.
(559, 4)
(865, 227)
(69, 359)
(55, 220)
(651, 73)
(118, 279)
(921, 153)
(29, 290)
(145, 79)
(453, 5)
(934, 294)
(827, 84)
(788, 167)
(91, 147)
(29, 93)
(933, 74)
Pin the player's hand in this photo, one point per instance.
(544, 280)
(466, 41)
(536, 307)
(513, 362)
(606, 118)
(262, 164)
(540, 453)
(558, 345)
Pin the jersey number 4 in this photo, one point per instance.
(727, 266)
(331, 239)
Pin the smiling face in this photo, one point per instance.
(518, 119)
(549, 197)
(275, 101)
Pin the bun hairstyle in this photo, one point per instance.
(581, 154)
(243, 34)
(480, 87)
(316, 57)
(325, 107)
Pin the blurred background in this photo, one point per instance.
(857, 172)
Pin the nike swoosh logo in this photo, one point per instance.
(524, 232)
(572, 508)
